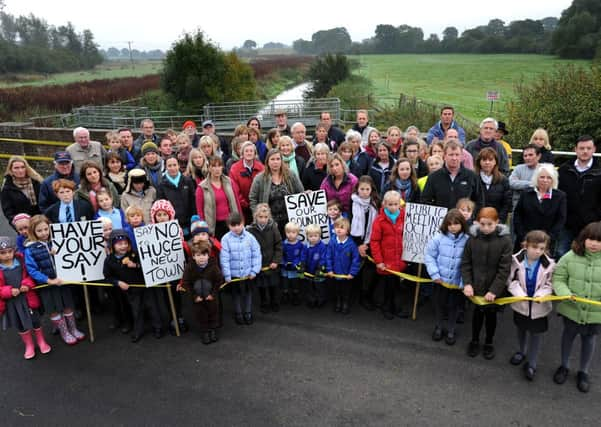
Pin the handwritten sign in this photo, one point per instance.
(79, 250)
(422, 222)
(309, 208)
(161, 252)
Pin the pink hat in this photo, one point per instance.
(19, 217)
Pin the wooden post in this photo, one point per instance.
(88, 312)
(173, 313)
(416, 296)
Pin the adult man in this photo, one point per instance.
(189, 127)
(208, 128)
(83, 149)
(466, 158)
(581, 181)
(521, 176)
(127, 141)
(362, 126)
(302, 147)
(452, 182)
(334, 133)
(446, 122)
(488, 128)
(147, 134)
(63, 168)
(281, 122)
(165, 147)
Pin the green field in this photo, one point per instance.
(461, 80)
(107, 70)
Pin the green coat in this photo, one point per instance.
(579, 276)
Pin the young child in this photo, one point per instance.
(107, 210)
(56, 300)
(387, 249)
(21, 225)
(365, 205)
(114, 143)
(293, 253)
(18, 299)
(443, 262)
(485, 269)
(342, 259)
(122, 268)
(138, 193)
(199, 232)
(202, 278)
(334, 209)
(530, 276)
(267, 234)
(240, 259)
(578, 274)
(315, 264)
(466, 207)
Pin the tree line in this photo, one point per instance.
(30, 44)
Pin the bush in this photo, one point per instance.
(355, 92)
(326, 72)
(567, 103)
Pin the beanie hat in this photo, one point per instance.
(198, 226)
(189, 124)
(117, 236)
(6, 243)
(162, 205)
(19, 217)
(149, 147)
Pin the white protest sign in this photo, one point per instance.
(309, 208)
(161, 252)
(79, 250)
(422, 222)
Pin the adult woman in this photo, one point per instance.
(208, 147)
(339, 183)
(254, 136)
(91, 182)
(404, 180)
(152, 163)
(381, 166)
(184, 146)
(411, 151)
(198, 167)
(412, 132)
(216, 198)
(359, 165)
(295, 163)
(394, 140)
(540, 138)
(236, 153)
(497, 192)
(21, 189)
(272, 185)
(434, 163)
(273, 139)
(436, 149)
(541, 207)
(242, 173)
(254, 122)
(115, 171)
(347, 153)
(316, 170)
(179, 190)
(373, 139)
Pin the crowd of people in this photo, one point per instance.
(527, 230)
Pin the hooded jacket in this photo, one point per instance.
(543, 287)
(386, 242)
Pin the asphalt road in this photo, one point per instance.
(296, 367)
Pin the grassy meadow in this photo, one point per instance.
(461, 80)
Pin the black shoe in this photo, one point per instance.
(368, 304)
(388, 315)
(338, 306)
(239, 319)
(529, 371)
(296, 299)
(206, 338)
(461, 317)
(248, 318)
(183, 325)
(437, 334)
(450, 338)
(264, 308)
(488, 351)
(517, 358)
(345, 308)
(213, 335)
(157, 333)
(114, 326)
(172, 330)
(402, 314)
(582, 382)
(473, 348)
(135, 338)
(275, 307)
(561, 375)
(126, 329)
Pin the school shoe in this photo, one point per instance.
(488, 351)
(206, 338)
(529, 371)
(42, 344)
(345, 309)
(80, 336)
(213, 335)
(183, 325)
(248, 318)
(157, 333)
(461, 317)
(402, 314)
(61, 325)
(473, 348)
(338, 306)
(29, 347)
(135, 338)
(126, 329)
(517, 358)
(450, 339)
(561, 375)
(437, 334)
(582, 382)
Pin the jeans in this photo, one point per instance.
(564, 243)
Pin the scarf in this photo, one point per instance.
(392, 216)
(370, 151)
(118, 178)
(174, 181)
(486, 179)
(26, 187)
(405, 187)
(291, 162)
(94, 189)
(358, 226)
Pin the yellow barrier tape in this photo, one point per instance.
(106, 285)
(38, 158)
(36, 141)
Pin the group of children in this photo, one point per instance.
(466, 259)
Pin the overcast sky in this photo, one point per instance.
(156, 25)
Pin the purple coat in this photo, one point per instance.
(343, 193)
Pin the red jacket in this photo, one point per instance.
(239, 174)
(386, 242)
(5, 290)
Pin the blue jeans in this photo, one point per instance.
(564, 242)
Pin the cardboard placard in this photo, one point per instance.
(422, 222)
(309, 208)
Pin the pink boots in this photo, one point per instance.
(79, 336)
(61, 325)
(42, 344)
(28, 341)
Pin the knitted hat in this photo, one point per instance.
(6, 243)
(136, 175)
(149, 147)
(161, 205)
(198, 226)
(19, 217)
(117, 236)
(189, 124)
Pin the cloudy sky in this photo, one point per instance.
(156, 25)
